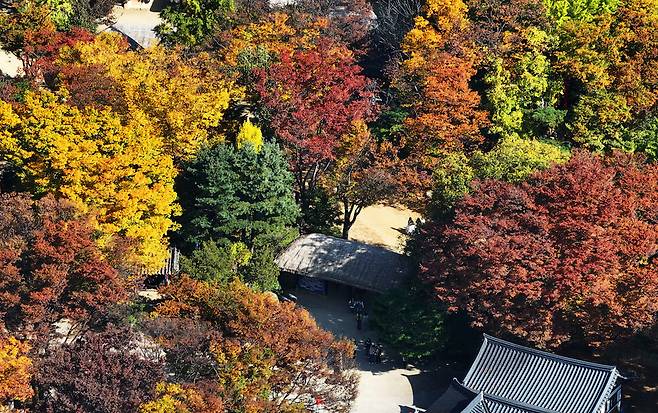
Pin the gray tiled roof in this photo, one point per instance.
(533, 379)
(483, 403)
(343, 261)
(460, 399)
(137, 35)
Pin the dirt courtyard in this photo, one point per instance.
(382, 226)
(390, 387)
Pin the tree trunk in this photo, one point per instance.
(350, 213)
(347, 219)
(347, 224)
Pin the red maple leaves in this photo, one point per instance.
(567, 256)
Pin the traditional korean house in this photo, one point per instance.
(509, 378)
(315, 261)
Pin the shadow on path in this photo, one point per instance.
(158, 5)
(428, 385)
(387, 387)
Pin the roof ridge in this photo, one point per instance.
(526, 406)
(546, 354)
(348, 241)
(485, 405)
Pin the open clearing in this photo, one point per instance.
(382, 226)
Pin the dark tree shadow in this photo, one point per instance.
(159, 5)
(432, 382)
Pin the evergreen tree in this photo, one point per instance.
(222, 264)
(237, 195)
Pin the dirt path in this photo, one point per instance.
(9, 64)
(382, 226)
(383, 388)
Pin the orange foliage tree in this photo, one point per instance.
(432, 83)
(50, 265)
(271, 356)
(15, 370)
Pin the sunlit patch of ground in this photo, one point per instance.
(382, 226)
(389, 387)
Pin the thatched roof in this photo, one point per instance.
(343, 261)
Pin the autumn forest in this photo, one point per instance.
(524, 132)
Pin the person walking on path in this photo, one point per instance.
(372, 353)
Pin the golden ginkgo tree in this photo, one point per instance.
(118, 173)
(184, 98)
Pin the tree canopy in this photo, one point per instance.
(117, 173)
(50, 266)
(566, 257)
(270, 356)
(101, 372)
(15, 370)
(312, 98)
(238, 194)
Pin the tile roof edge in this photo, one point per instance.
(513, 403)
(477, 359)
(487, 338)
(479, 398)
(605, 394)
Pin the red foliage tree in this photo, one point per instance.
(42, 47)
(50, 265)
(102, 372)
(567, 257)
(90, 86)
(313, 97)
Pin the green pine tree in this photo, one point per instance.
(238, 195)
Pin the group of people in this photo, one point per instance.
(412, 226)
(374, 351)
(359, 308)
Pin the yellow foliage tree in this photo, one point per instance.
(440, 19)
(250, 134)
(185, 98)
(274, 35)
(174, 398)
(117, 173)
(15, 370)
